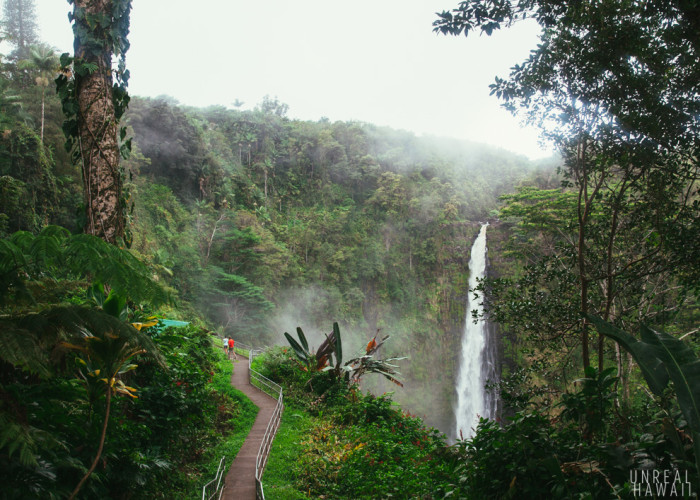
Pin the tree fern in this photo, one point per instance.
(55, 252)
(37, 340)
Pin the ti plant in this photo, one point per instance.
(105, 352)
(353, 369)
(663, 358)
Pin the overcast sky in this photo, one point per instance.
(375, 61)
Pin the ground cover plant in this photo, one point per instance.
(281, 475)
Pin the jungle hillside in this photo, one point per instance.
(136, 232)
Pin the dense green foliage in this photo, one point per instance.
(611, 87)
(256, 224)
(155, 441)
(69, 358)
(354, 445)
(337, 442)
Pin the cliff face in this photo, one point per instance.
(505, 342)
(494, 344)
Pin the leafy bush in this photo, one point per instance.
(177, 417)
(396, 447)
(580, 452)
(156, 445)
(518, 460)
(359, 445)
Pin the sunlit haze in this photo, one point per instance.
(369, 61)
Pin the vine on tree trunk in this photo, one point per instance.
(94, 98)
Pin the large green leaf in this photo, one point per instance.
(659, 352)
(684, 369)
(644, 353)
(115, 305)
(298, 349)
(338, 345)
(302, 339)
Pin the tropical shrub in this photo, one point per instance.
(359, 445)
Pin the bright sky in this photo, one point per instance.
(375, 61)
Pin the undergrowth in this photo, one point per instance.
(336, 442)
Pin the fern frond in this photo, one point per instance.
(21, 348)
(126, 275)
(55, 251)
(22, 239)
(15, 437)
(45, 250)
(11, 257)
(55, 231)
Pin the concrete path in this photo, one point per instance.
(240, 480)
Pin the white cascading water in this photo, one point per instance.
(477, 359)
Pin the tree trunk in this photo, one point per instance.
(583, 201)
(584, 178)
(97, 130)
(265, 171)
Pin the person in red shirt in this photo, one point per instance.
(231, 352)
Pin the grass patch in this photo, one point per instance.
(280, 474)
(241, 352)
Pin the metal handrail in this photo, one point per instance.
(220, 481)
(275, 391)
(220, 478)
(241, 346)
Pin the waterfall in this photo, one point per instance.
(477, 363)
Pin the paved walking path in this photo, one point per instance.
(240, 480)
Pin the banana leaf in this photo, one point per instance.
(659, 352)
(653, 369)
(684, 369)
(338, 346)
(298, 349)
(302, 339)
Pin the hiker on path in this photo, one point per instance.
(226, 345)
(231, 352)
